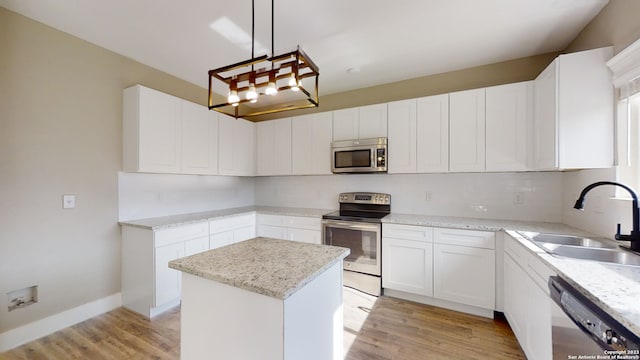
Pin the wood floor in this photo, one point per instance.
(375, 328)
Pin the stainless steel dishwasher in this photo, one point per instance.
(581, 330)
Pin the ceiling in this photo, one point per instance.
(355, 43)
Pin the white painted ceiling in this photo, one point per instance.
(385, 40)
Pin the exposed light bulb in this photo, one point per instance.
(233, 97)
(252, 94)
(271, 87)
(294, 83)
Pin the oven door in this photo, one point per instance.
(362, 238)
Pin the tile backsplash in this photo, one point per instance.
(533, 196)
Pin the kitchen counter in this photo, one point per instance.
(452, 222)
(164, 222)
(271, 267)
(614, 288)
(262, 299)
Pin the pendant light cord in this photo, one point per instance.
(253, 26)
(272, 41)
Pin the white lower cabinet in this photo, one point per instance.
(407, 259)
(446, 267)
(231, 230)
(527, 305)
(149, 286)
(464, 267)
(195, 246)
(167, 282)
(294, 228)
(464, 275)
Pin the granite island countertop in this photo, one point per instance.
(271, 267)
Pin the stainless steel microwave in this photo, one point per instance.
(359, 156)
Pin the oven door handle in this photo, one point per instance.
(351, 225)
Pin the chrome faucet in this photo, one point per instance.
(634, 237)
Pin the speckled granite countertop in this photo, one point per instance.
(452, 222)
(271, 267)
(163, 222)
(614, 288)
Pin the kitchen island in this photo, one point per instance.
(262, 299)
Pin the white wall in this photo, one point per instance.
(601, 211)
(488, 195)
(150, 195)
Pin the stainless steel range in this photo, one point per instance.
(358, 226)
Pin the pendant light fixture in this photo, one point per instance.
(290, 80)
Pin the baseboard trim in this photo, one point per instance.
(37, 329)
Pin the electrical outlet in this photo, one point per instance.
(68, 201)
(518, 198)
(427, 196)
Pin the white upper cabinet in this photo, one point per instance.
(574, 112)
(509, 118)
(402, 136)
(311, 144)
(165, 134)
(467, 131)
(199, 140)
(432, 129)
(360, 123)
(372, 121)
(273, 147)
(419, 135)
(151, 131)
(236, 151)
(345, 124)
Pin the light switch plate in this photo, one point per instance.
(68, 201)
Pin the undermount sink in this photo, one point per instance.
(579, 247)
(571, 240)
(616, 256)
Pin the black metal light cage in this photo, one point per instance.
(296, 62)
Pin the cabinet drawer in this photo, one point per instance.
(230, 223)
(276, 232)
(408, 232)
(271, 220)
(179, 234)
(301, 222)
(296, 222)
(471, 238)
